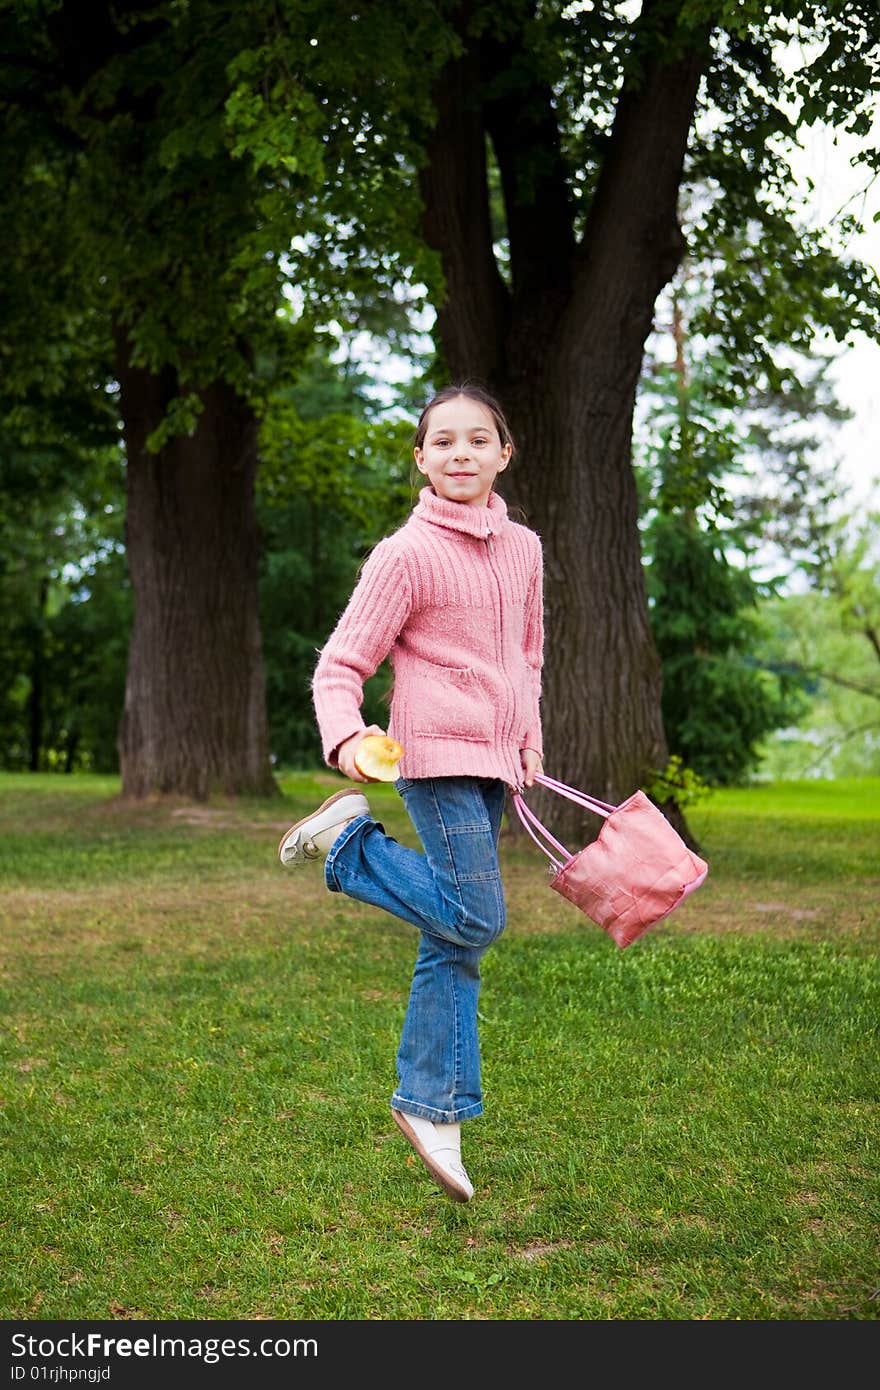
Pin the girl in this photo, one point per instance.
(454, 596)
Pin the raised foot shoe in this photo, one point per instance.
(312, 837)
(440, 1152)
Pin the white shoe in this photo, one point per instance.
(312, 838)
(440, 1152)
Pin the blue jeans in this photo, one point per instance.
(452, 893)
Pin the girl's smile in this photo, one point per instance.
(462, 453)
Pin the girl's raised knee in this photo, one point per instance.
(482, 922)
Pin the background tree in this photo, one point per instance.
(93, 118)
(181, 148)
(209, 155)
(828, 637)
(719, 485)
(598, 127)
(820, 626)
(334, 478)
(718, 703)
(839, 736)
(65, 618)
(61, 510)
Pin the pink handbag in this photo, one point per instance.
(634, 874)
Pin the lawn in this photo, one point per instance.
(198, 1051)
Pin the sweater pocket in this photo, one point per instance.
(450, 702)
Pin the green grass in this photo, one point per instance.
(198, 1050)
(849, 798)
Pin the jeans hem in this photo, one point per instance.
(430, 1112)
(339, 843)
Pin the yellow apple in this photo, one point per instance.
(377, 756)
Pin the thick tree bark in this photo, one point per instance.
(603, 727)
(194, 721)
(563, 349)
(474, 317)
(36, 699)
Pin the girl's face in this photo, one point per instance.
(462, 453)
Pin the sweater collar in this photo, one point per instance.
(490, 520)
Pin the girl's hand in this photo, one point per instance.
(346, 751)
(531, 762)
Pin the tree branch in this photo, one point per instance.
(632, 235)
(525, 135)
(834, 744)
(817, 674)
(473, 317)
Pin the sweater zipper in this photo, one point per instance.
(490, 550)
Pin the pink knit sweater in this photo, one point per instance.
(455, 598)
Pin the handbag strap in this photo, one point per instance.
(532, 824)
(592, 803)
(526, 816)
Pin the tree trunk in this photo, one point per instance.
(562, 347)
(36, 699)
(194, 721)
(603, 728)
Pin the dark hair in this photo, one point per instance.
(473, 393)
